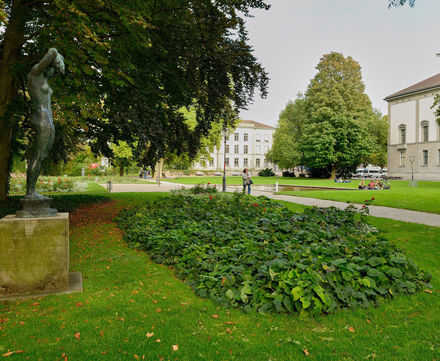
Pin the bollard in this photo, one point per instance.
(109, 186)
(276, 187)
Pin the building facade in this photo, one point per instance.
(414, 133)
(246, 147)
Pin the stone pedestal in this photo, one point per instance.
(36, 208)
(34, 254)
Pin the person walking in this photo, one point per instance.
(247, 181)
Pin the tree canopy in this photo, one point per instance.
(330, 127)
(131, 66)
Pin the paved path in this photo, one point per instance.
(397, 214)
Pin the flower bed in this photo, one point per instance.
(256, 254)
(44, 184)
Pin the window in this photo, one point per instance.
(266, 137)
(245, 137)
(236, 149)
(235, 136)
(258, 149)
(235, 162)
(266, 163)
(227, 162)
(266, 149)
(211, 162)
(245, 149)
(425, 133)
(425, 157)
(257, 161)
(258, 137)
(227, 148)
(245, 162)
(402, 159)
(402, 129)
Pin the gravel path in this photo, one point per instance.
(397, 214)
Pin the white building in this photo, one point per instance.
(414, 133)
(246, 147)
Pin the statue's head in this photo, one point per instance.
(58, 64)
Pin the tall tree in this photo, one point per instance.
(130, 67)
(335, 134)
(287, 137)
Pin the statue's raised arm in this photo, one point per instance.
(45, 62)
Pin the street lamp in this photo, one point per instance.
(412, 159)
(225, 136)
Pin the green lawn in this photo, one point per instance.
(132, 307)
(425, 197)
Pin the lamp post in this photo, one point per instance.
(225, 135)
(412, 159)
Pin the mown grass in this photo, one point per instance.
(425, 197)
(127, 298)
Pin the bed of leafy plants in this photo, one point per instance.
(255, 254)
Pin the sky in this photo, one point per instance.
(395, 47)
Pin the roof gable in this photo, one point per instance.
(256, 124)
(430, 83)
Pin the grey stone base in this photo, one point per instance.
(35, 208)
(75, 285)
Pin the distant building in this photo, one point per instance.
(246, 147)
(414, 133)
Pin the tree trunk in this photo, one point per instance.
(121, 170)
(333, 172)
(11, 53)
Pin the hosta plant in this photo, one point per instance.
(255, 254)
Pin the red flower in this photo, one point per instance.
(209, 183)
(363, 206)
(210, 197)
(255, 204)
(372, 198)
(366, 200)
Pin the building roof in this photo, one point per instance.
(256, 124)
(427, 84)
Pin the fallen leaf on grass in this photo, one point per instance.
(158, 310)
(306, 352)
(368, 321)
(230, 323)
(214, 316)
(228, 330)
(351, 329)
(35, 303)
(77, 335)
(158, 340)
(79, 304)
(9, 353)
(175, 347)
(428, 291)
(150, 334)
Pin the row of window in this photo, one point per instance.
(425, 132)
(246, 137)
(246, 149)
(425, 158)
(245, 162)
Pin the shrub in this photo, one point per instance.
(63, 203)
(255, 254)
(266, 172)
(203, 189)
(288, 173)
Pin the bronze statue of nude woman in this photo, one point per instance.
(35, 204)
